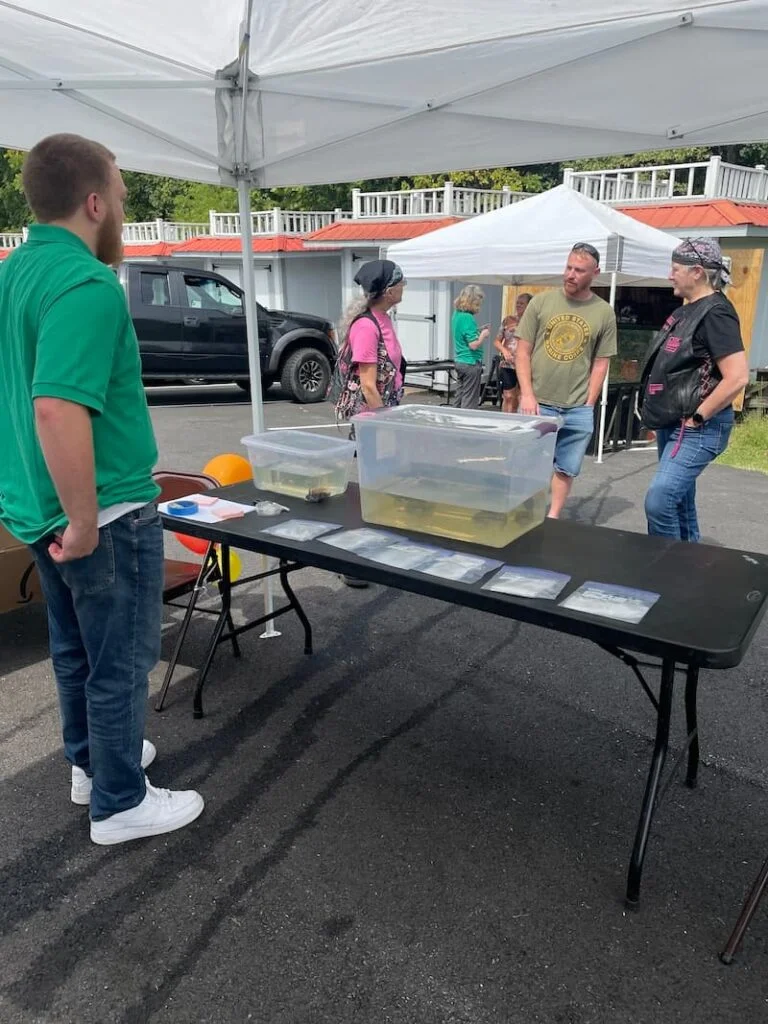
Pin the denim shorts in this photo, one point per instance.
(573, 437)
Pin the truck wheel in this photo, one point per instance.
(306, 375)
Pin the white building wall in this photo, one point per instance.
(313, 284)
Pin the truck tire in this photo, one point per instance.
(305, 375)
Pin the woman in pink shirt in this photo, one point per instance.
(371, 359)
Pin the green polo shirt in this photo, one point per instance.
(464, 329)
(65, 332)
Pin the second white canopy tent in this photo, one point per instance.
(528, 243)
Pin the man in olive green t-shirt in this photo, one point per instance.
(76, 457)
(565, 341)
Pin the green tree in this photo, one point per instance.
(14, 212)
(646, 159)
(198, 199)
(151, 196)
(525, 180)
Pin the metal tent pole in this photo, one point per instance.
(251, 317)
(604, 396)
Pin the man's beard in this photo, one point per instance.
(109, 242)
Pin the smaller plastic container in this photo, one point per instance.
(299, 463)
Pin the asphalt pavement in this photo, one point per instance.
(427, 822)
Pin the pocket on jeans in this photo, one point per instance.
(147, 515)
(94, 573)
(714, 440)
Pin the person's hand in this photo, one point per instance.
(485, 330)
(528, 405)
(691, 424)
(74, 542)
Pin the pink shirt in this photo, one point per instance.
(364, 342)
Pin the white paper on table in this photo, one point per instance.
(526, 581)
(610, 601)
(207, 513)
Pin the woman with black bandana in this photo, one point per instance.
(371, 359)
(371, 362)
(695, 367)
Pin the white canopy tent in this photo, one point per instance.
(528, 243)
(279, 92)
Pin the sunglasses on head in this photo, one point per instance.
(590, 250)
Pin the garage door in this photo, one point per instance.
(416, 321)
(262, 279)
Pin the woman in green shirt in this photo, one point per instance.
(468, 341)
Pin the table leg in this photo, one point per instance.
(747, 911)
(692, 727)
(297, 608)
(225, 587)
(235, 641)
(664, 714)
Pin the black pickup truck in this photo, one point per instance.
(191, 327)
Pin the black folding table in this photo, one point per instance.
(712, 600)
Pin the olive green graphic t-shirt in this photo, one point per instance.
(567, 336)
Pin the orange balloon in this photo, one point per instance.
(195, 544)
(229, 469)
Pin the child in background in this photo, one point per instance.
(505, 344)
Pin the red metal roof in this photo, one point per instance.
(720, 213)
(149, 249)
(376, 230)
(262, 243)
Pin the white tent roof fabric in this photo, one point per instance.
(340, 90)
(529, 242)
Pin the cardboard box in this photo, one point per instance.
(19, 582)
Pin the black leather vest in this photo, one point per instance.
(674, 380)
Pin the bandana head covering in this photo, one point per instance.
(376, 276)
(702, 252)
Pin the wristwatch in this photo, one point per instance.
(698, 419)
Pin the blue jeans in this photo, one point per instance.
(104, 618)
(670, 504)
(573, 437)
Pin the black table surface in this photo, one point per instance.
(711, 598)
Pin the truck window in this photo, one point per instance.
(154, 289)
(210, 293)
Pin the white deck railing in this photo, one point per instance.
(275, 222)
(10, 239)
(149, 231)
(447, 201)
(712, 179)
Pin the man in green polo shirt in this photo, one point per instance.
(76, 457)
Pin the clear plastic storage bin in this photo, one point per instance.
(300, 463)
(463, 473)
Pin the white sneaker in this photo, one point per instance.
(161, 811)
(82, 783)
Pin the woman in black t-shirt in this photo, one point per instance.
(695, 368)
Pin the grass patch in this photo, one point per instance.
(748, 446)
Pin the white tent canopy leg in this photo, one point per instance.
(604, 396)
(254, 363)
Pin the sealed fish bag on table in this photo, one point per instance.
(462, 473)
